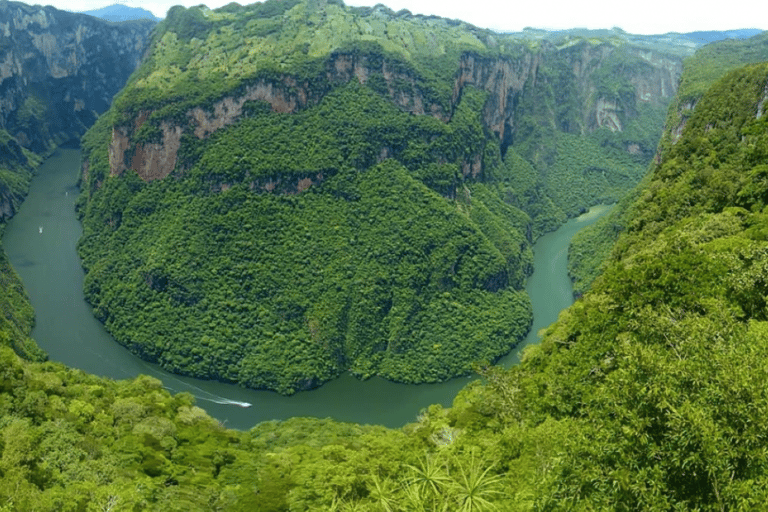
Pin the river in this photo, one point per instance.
(41, 244)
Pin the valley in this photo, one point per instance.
(300, 208)
(300, 185)
(67, 331)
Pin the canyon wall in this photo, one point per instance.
(560, 89)
(60, 70)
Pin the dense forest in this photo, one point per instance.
(591, 247)
(353, 189)
(647, 394)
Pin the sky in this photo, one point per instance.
(636, 17)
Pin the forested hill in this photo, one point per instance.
(657, 371)
(289, 190)
(647, 394)
(591, 247)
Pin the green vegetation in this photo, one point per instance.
(202, 54)
(655, 369)
(704, 68)
(15, 166)
(590, 144)
(713, 61)
(647, 394)
(16, 315)
(577, 178)
(356, 232)
(75, 441)
(368, 270)
(593, 246)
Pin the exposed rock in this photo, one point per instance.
(504, 79)
(517, 87)
(153, 161)
(659, 82)
(59, 70)
(400, 85)
(684, 112)
(761, 103)
(285, 96)
(513, 86)
(607, 114)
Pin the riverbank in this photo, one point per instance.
(66, 329)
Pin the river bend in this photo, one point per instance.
(41, 244)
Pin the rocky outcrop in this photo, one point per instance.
(505, 80)
(399, 84)
(761, 103)
(684, 113)
(608, 114)
(658, 81)
(538, 82)
(150, 160)
(529, 86)
(59, 70)
(285, 94)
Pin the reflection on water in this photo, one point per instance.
(67, 330)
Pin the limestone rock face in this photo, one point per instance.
(519, 88)
(59, 70)
(563, 87)
(285, 94)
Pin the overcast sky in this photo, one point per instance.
(637, 17)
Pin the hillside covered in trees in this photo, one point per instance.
(290, 190)
(591, 247)
(647, 394)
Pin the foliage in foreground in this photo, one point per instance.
(659, 365)
(647, 394)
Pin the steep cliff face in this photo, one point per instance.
(581, 88)
(517, 88)
(59, 70)
(285, 94)
(504, 79)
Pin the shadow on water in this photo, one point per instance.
(41, 244)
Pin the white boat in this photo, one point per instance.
(41, 229)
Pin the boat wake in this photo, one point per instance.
(225, 401)
(197, 393)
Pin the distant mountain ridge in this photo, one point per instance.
(118, 13)
(711, 36)
(684, 44)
